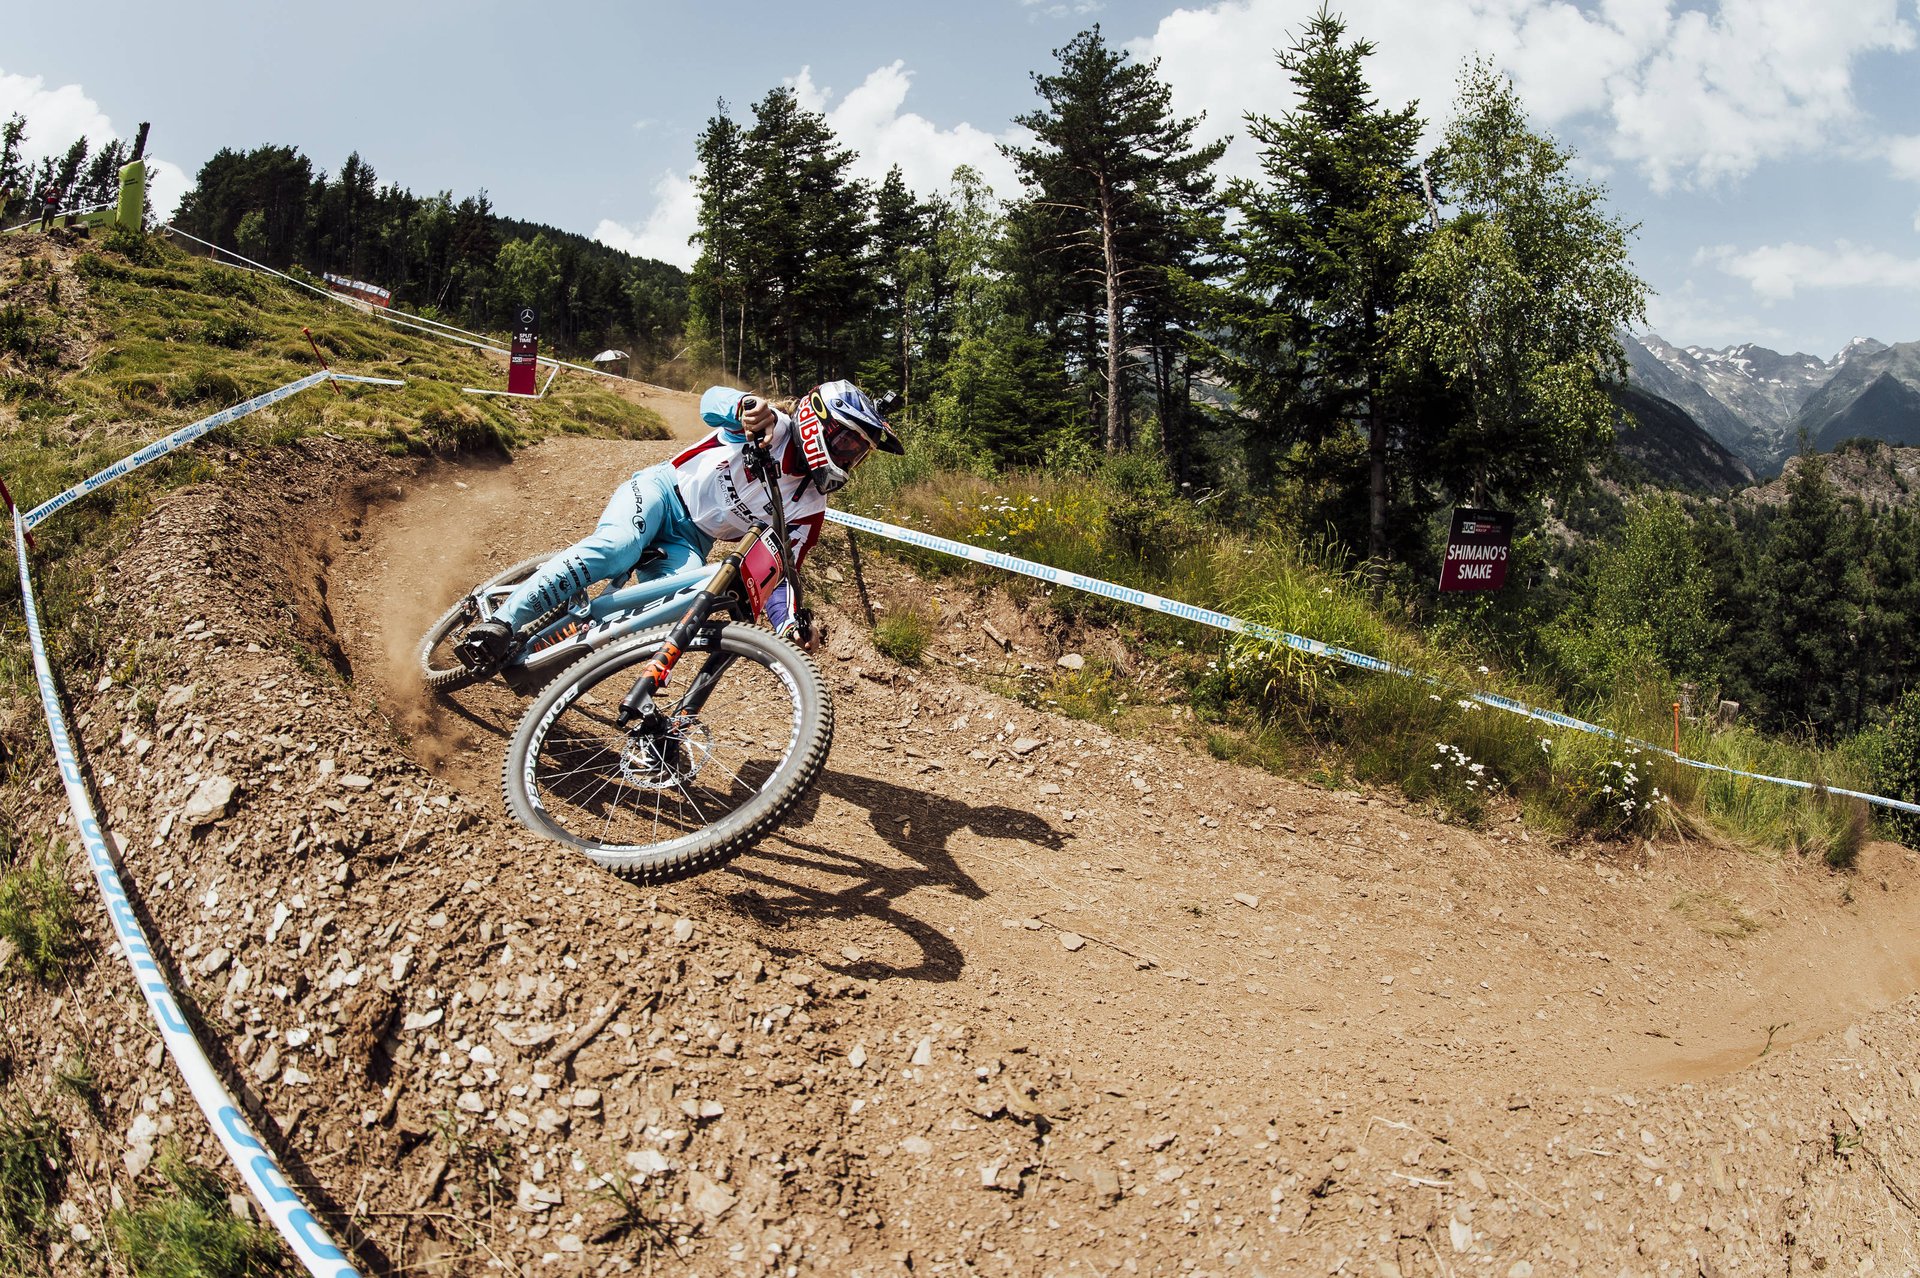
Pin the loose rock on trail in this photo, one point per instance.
(1008, 994)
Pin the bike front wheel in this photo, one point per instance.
(703, 784)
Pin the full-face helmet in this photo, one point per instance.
(838, 425)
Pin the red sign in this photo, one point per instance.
(523, 363)
(1477, 550)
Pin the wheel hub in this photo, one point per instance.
(667, 759)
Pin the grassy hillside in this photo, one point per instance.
(103, 349)
(1261, 703)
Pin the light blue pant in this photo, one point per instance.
(645, 513)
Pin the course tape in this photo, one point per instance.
(256, 1163)
(405, 319)
(187, 434)
(1314, 647)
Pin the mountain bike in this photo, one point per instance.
(649, 785)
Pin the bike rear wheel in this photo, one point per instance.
(662, 806)
(441, 670)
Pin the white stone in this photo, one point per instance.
(211, 800)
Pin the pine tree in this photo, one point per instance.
(723, 183)
(1324, 246)
(899, 243)
(804, 235)
(1110, 171)
(1803, 634)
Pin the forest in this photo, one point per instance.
(453, 260)
(1334, 353)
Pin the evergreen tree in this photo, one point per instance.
(1516, 302)
(1110, 172)
(998, 390)
(14, 173)
(1803, 634)
(899, 234)
(1317, 268)
(803, 242)
(723, 182)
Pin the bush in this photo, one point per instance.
(192, 1233)
(20, 332)
(903, 635)
(1896, 765)
(37, 914)
(207, 385)
(135, 246)
(230, 333)
(30, 1179)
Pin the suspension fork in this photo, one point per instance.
(721, 591)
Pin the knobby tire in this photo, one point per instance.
(572, 776)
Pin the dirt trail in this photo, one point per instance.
(1256, 946)
(1008, 994)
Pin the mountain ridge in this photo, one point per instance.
(1758, 402)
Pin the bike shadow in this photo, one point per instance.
(792, 878)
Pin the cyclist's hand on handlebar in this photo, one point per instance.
(756, 416)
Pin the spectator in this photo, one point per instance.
(51, 207)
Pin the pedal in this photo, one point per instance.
(484, 647)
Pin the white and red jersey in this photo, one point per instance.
(726, 502)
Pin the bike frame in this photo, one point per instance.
(624, 610)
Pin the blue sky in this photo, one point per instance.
(1770, 149)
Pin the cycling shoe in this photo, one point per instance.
(486, 645)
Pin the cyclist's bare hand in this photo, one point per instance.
(756, 416)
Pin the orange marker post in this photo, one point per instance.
(7, 497)
(323, 360)
(1676, 727)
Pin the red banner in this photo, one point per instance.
(1477, 550)
(523, 363)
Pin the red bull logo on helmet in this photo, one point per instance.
(809, 421)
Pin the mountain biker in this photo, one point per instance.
(674, 512)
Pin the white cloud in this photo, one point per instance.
(1758, 80)
(666, 232)
(1777, 272)
(869, 120)
(1684, 96)
(1903, 154)
(58, 117)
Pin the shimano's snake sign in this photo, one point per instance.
(1477, 550)
(523, 363)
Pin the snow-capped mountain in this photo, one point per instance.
(1748, 397)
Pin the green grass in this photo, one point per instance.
(32, 1154)
(132, 344)
(1269, 705)
(38, 915)
(903, 635)
(191, 1232)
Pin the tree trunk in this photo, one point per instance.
(1376, 491)
(1116, 437)
(906, 358)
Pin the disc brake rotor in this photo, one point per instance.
(669, 760)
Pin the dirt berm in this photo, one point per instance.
(1008, 995)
